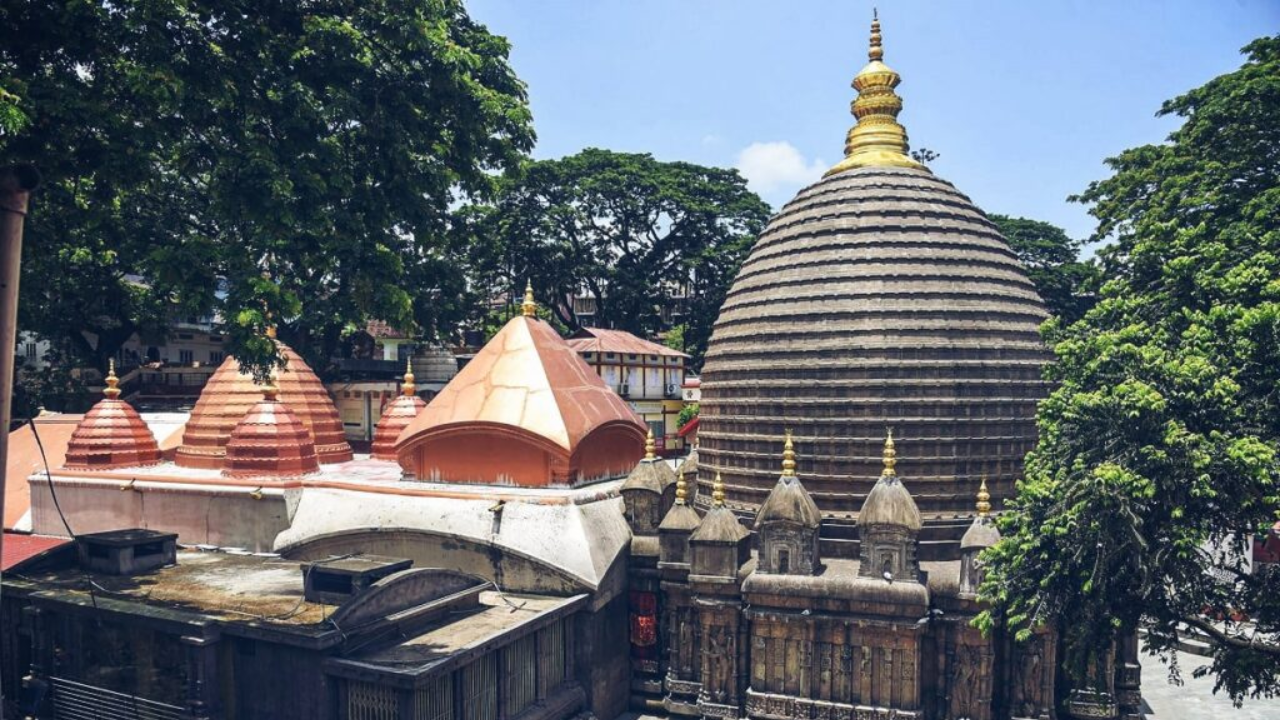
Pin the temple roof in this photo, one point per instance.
(111, 435)
(652, 473)
(270, 441)
(789, 501)
(396, 417)
(229, 394)
(889, 502)
(527, 377)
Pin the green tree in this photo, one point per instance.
(1052, 259)
(251, 158)
(1157, 459)
(633, 234)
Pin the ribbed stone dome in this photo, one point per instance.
(879, 297)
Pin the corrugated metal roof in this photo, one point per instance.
(618, 341)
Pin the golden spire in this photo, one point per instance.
(650, 447)
(890, 455)
(717, 492)
(112, 391)
(682, 489)
(876, 139)
(529, 307)
(407, 387)
(271, 331)
(984, 499)
(788, 457)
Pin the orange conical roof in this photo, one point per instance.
(396, 418)
(230, 393)
(528, 377)
(111, 435)
(270, 441)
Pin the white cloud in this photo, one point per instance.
(773, 166)
(712, 140)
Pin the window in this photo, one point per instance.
(31, 351)
(215, 357)
(784, 560)
(186, 357)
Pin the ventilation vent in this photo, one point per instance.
(127, 552)
(335, 581)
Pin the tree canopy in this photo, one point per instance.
(634, 235)
(1158, 454)
(242, 157)
(1052, 260)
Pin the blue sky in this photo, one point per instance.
(1023, 100)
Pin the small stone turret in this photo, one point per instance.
(788, 524)
(676, 527)
(720, 545)
(981, 535)
(642, 491)
(888, 526)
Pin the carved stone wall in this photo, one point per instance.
(788, 548)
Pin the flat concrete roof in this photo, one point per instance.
(214, 584)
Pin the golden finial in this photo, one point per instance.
(682, 489)
(876, 139)
(788, 457)
(890, 455)
(269, 389)
(112, 390)
(271, 331)
(650, 447)
(984, 499)
(529, 307)
(407, 387)
(717, 492)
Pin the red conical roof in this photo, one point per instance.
(111, 435)
(396, 417)
(230, 393)
(270, 440)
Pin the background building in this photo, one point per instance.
(647, 375)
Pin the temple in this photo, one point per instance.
(519, 549)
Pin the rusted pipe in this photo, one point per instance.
(16, 184)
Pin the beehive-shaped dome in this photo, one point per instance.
(396, 417)
(111, 435)
(880, 296)
(270, 441)
(230, 393)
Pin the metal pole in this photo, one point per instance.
(16, 184)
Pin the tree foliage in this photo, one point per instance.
(1157, 459)
(633, 234)
(250, 157)
(1052, 260)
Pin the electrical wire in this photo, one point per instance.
(53, 493)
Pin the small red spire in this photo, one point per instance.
(270, 441)
(111, 435)
(396, 417)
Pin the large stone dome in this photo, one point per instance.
(879, 297)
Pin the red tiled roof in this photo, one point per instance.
(618, 341)
(19, 547)
(689, 427)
